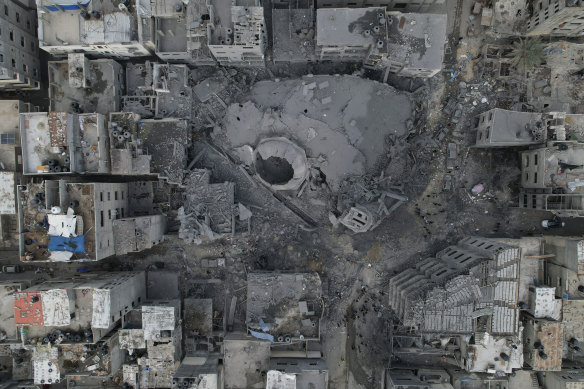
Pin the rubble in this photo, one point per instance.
(293, 195)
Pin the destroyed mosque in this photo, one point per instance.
(276, 194)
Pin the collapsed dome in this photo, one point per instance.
(280, 164)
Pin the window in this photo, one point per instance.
(11, 35)
(122, 212)
(535, 159)
(535, 178)
(109, 197)
(7, 139)
(17, 17)
(116, 195)
(13, 63)
(109, 214)
(526, 160)
(6, 10)
(1, 58)
(24, 67)
(122, 195)
(101, 218)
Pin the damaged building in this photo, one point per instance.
(409, 44)
(152, 338)
(67, 221)
(551, 169)
(101, 29)
(560, 18)
(71, 319)
(468, 289)
(204, 32)
(352, 35)
(416, 43)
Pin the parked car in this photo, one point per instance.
(12, 269)
(554, 222)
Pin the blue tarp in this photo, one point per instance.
(68, 5)
(264, 326)
(60, 243)
(261, 335)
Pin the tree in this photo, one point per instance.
(526, 54)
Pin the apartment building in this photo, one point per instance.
(19, 47)
(551, 179)
(67, 221)
(100, 28)
(56, 317)
(556, 17)
(365, 41)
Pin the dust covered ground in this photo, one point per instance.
(348, 126)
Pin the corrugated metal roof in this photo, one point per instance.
(28, 309)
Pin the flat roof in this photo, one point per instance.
(349, 26)
(7, 193)
(10, 131)
(565, 168)
(244, 360)
(104, 79)
(417, 39)
(512, 126)
(43, 135)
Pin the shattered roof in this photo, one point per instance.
(284, 304)
(417, 39)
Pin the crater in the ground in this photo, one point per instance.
(274, 170)
(281, 164)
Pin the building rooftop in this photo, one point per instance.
(293, 34)
(75, 310)
(10, 133)
(286, 306)
(300, 372)
(511, 126)
(198, 314)
(104, 80)
(244, 360)
(572, 311)
(46, 142)
(8, 329)
(8, 184)
(549, 335)
(62, 23)
(360, 27)
(166, 141)
(417, 39)
(543, 303)
(564, 168)
(482, 354)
